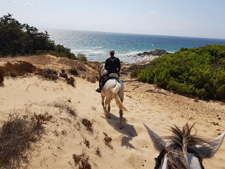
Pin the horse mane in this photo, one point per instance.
(178, 147)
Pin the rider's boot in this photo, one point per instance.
(98, 90)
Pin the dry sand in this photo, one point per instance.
(131, 146)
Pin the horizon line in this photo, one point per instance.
(144, 34)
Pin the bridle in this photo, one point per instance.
(164, 152)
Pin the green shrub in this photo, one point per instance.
(81, 57)
(198, 72)
(134, 73)
(220, 92)
(22, 39)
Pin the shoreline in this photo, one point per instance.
(136, 57)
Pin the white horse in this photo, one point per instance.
(183, 150)
(113, 88)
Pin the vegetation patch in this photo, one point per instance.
(197, 72)
(70, 81)
(88, 124)
(134, 73)
(41, 119)
(73, 71)
(16, 138)
(66, 107)
(18, 69)
(63, 74)
(81, 161)
(107, 140)
(23, 39)
(81, 57)
(49, 74)
(82, 68)
(98, 152)
(87, 143)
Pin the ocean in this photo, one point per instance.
(96, 45)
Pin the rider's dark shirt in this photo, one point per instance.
(112, 65)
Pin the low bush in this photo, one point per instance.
(50, 74)
(70, 81)
(16, 138)
(198, 72)
(74, 71)
(81, 57)
(134, 73)
(81, 161)
(63, 74)
(18, 69)
(88, 124)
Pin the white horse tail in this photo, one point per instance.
(115, 92)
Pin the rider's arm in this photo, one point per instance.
(107, 64)
(119, 66)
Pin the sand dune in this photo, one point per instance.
(131, 146)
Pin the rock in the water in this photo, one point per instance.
(157, 52)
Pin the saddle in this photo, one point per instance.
(105, 78)
(113, 75)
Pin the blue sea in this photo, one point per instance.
(96, 45)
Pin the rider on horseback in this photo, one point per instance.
(112, 65)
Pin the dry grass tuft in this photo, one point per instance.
(81, 161)
(82, 68)
(87, 143)
(19, 69)
(98, 152)
(74, 71)
(88, 124)
(91, 79)
(16, 138)
(70, 81)
(41, 119)
(71, 111)
(49, 74)
(107, 140)
(63, 74)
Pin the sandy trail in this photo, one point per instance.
(131, 146)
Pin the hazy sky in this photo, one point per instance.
(194, 18)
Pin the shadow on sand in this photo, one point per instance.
(128, 130)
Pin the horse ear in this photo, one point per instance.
(102, 66)
(213, 145)
(158, 141)
(102, 70)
